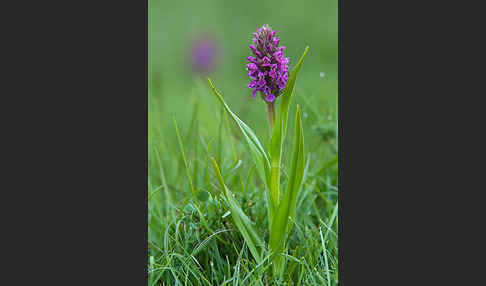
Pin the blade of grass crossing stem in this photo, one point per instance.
(286, 207)
(279, 131)
(242, 222)
(257, 151)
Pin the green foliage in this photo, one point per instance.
(278, 136)
(184, 251)
(259, 154)
(241, 220)
(286, 210)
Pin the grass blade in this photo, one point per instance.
(189, 178)
(325, 258)
(164, 184)
(242, 222)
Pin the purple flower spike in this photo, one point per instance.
(268, 69)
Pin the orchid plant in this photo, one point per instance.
(268, 72)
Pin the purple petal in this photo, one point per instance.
(254, 93)
(265, 62)
(270, 97)
(272, 73)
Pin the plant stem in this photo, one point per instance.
(271, 115)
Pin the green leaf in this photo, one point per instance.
(243, 223)
(281, 223)
(278, 134)
(257, 151)
(286, 96)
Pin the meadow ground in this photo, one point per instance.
(194, 241)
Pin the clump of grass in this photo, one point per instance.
(182, 251)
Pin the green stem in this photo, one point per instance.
(271, 115)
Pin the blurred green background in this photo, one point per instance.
(173, 89)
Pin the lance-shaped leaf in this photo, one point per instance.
(286, 96)
(257, 151)
(243, 223)
(281, 223)
(279, 131)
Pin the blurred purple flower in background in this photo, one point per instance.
(204, 54)
(268, 70)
